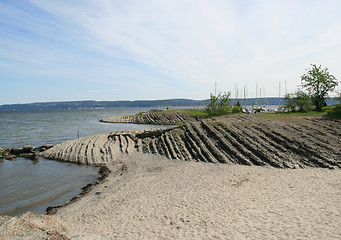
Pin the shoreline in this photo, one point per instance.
(148, 196)
(159, 187)
(104, 173)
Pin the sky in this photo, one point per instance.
(111, 50)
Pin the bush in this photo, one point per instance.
(237, 108)
(219, 105)
(299, 101)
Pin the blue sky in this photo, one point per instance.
(153, 49)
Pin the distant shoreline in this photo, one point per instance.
(138, 103)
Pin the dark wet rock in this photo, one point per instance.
(6, 152)
(39, 149)
(104, 171)
(36, 155)
(16, 151)
(28, 149)
(47, 146)
(43, 148)
(9, 157)
(51, 210)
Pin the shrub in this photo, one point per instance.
(219, 105)
(299, 101)
(237, 108)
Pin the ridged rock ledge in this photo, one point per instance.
(155, 117)
(236, 139)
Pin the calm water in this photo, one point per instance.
(26, 185)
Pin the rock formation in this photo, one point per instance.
(155, 117)
(234, 139)
(27, 151)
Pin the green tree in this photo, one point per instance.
(318, 82)
(299, 101)
(219, 105)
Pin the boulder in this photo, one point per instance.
(47, 146)
(28, 149)
(40, 149)
(16, 151)
(6, 152)
(43, 148)
(36, 156)
(9, 157)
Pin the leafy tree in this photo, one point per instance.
(299, 101)
(219, 105)
(318, 82)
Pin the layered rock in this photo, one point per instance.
(236, 139)
(26, 152)
(101, 148)
(156, 117)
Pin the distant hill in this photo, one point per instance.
(137, 103)
(101, 104)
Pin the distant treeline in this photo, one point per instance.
(138, 103)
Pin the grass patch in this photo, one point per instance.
(201, 113)
(333, 111)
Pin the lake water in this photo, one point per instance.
(26, 185)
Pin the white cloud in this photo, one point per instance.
(192, 44)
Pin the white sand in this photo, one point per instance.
(166, 199)
(157, 198)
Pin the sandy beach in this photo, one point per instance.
(160, 196)
(147, 197)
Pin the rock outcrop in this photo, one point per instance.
(101, 148)
(27, 151)
(235, 139)
(156, 117)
